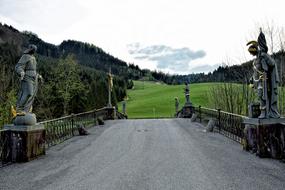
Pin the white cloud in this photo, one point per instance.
(49, 15)
(174, 59)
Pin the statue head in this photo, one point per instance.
(259, 45)
(31, 50)
(253, 47)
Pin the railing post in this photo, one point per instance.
(219, 119)
(200, 114)
(72, 124)
(94, 117)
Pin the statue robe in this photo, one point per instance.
(27, 66)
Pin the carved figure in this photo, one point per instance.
(26, 69)
(265, 77)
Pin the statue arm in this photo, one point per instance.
(267, 61)
(270, 62)
(254, 79)
(21, 65)
(264, 65)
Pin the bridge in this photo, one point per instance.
(144, 154)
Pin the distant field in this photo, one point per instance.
(150, 99)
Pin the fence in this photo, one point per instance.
(59, 130)
(228, 124)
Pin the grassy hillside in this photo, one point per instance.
(150, 99)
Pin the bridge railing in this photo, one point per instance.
(60, 129)
(228, 124)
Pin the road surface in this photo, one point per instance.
(166, 154)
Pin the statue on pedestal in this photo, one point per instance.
(124, 104)
(110, 87)
(187, 109)
(265, 77)
(26, 133)
(265, 134)
(187, 92)
(26, 69)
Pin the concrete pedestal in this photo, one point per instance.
(27, 142)
(111, 113)
(268, 136)
(186, 111)
(269, 121)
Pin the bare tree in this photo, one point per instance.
(236, 97)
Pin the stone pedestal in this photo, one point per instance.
(186, 111)
(254, 110)
(268, 136)
(111, 113)
(27, 142)
(269, 121)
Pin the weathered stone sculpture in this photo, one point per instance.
(187, 92)
(26, 68)
(265, 77)
(124, 106)
(26, 134)
(265, 134)
(110, 87)
(176, 105)
(188, 109)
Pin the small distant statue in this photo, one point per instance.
(176, 104)
(187, 92)
(265, 77)
(110, 80)
(26, 69)
(124, 106)
(110, 87)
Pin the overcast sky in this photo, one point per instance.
(175, 36)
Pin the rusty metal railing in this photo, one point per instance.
(228, 124)
(61, 129)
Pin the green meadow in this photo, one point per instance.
(153, 99)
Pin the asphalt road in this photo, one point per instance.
(165, 154)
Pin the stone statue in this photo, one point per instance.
(110, 87)
(176, 104)
(124, 106)
(265, 77)
(26, 70)
(187, 92)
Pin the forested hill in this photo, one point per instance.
(86, 54)
(94, 57)
(74, 73)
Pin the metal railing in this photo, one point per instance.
(60, 129)
(228, 124)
